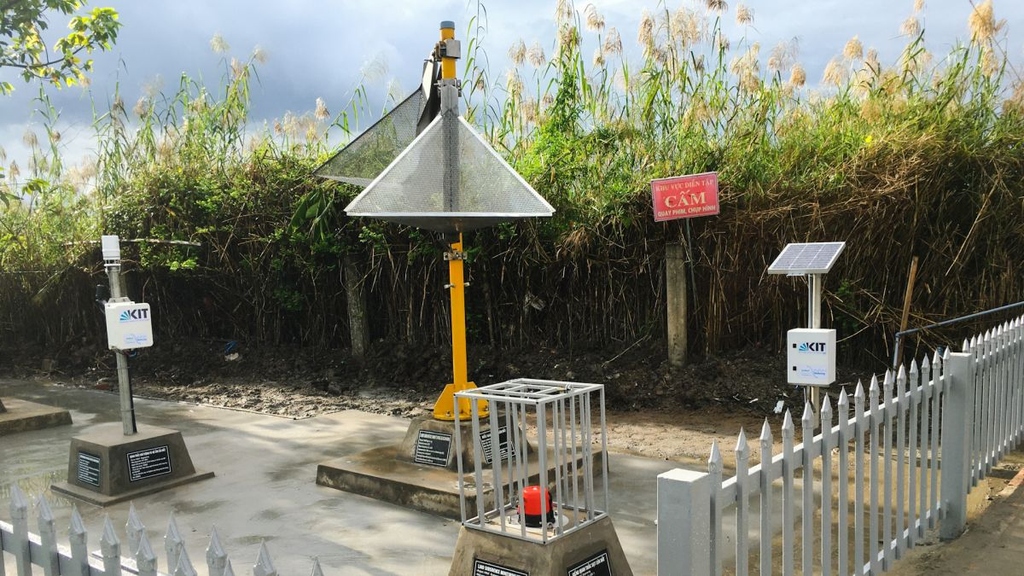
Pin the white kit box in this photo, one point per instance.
(811, 356)
(129, 325)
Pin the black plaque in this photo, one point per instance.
(148, 463)
(88, 468)
(481, 568)
(596, 565)
(432, 448)
(504, 447)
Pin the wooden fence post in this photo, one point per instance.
(675, 302)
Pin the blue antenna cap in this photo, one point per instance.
(446, 24)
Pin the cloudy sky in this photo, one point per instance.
(321, 48)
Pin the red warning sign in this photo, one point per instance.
(685, 196)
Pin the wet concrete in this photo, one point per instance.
(265, 489)
(24, 416)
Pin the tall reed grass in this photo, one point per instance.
(917, 157)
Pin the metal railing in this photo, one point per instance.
(853, 498)
(139, 558)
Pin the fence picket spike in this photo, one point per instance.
(806, 463)
(715, 460)
(742, 501)
(766, 435)
(145, 557)
(184, 566)
(173, 542)
(133, 529)
(216, 557)
(264, 566)
(110, 548)
(807, 418)
(317, 570)
(901, 386)
(826, 413)
(228, 570)
(109, 540)
(742, 450)
(77, 526)
(764, 485)
(45, 513)
(714, 543)
(47, 538)
(888, 386)
(19, 504)
(78, 539)
(787, 424)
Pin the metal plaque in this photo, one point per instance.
(504, 447)
(148, 463)
(432, 448)
(596, 565)
(481, 568)
(88, 469)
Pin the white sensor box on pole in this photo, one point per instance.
(111, 247)
(129, 325)
(811, 356)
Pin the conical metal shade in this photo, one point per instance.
(371, 152)
(473, 189)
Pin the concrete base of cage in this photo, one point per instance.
(24, 416)
(422, 472)
(593, 550)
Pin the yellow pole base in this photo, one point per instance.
(444, 408)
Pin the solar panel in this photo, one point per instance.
(807, 258)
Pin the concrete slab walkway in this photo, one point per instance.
(264, 489)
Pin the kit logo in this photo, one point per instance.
(134, 315)
(818, 347)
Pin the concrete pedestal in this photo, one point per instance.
(22, 416)
(422, 472)
(106, 467)
(593, 550)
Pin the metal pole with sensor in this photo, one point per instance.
(810, 352)
(112, 262)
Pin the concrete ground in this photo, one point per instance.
(264, 489)
(993, 542)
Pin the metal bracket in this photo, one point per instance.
(450, 48)
(454, 255)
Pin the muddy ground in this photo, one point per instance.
(654, 409)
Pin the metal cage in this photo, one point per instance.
(538, 436)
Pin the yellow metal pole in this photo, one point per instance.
(447, 62)
(444, 408)
(456, 277)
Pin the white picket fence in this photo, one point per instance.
(964, 411)
(43, 551)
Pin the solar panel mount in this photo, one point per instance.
(807, 258)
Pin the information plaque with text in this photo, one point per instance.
(504, 448)
(432, 448)
(481, 568)
(596, 565)
(148, 463)
(89, 469)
